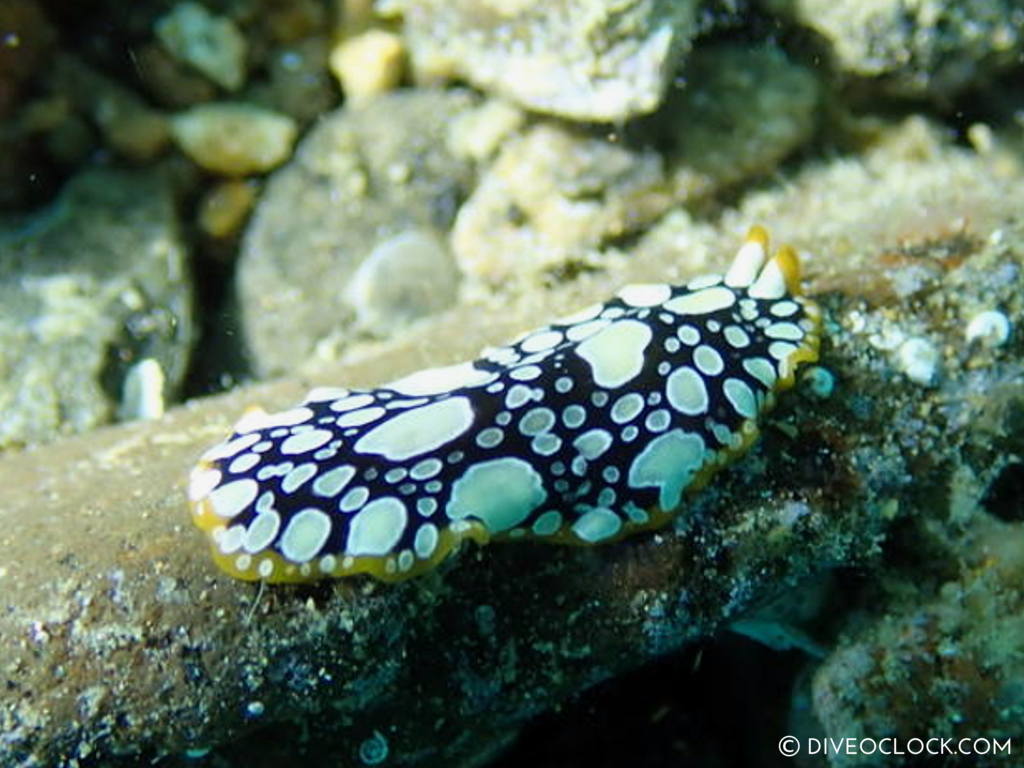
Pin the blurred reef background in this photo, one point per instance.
(210, 205)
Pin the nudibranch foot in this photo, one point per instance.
(580, 432)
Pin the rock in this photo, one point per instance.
(479, 133)
(225, 206)
(915, 49)
(740, 112)
(550, 199)
(212, 44)
(360, 178)
(601, 60)
(234, 138)
(299, 82)
(404, 278)
(129, 127)
(368, 64)
(170, 82)
(938, 659)
(89, 288)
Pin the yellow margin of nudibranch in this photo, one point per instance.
(282, 571)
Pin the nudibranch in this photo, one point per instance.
(580, 432)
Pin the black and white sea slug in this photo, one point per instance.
(580, 432)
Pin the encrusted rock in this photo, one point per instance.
(223, 209)
(584, 59)
(212, 44)
(129, 127)
(368, 64)
(551, 197)
(740, 112)
(234, 138)
(361, 178)
(404, 278)
(928, 48)
(89, 287)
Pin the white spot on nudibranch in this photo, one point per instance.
(202, 481)
(760, 369)
(298, 476)
(518, 394)
(708, 361)
(501, 493)
(304, 442)
(419, 430)
(616, 354)
(784, 308)
(703, 281)
(230, 499)
(702, 302)
(261, 531)
(645, 294)
(243, 463)
(668, 463)
(686, 391)
(541, 340)
(489, 437)
(536, 421)
(584, 331)
(255, 420)
(736, 336)
(593, 443)
(434, 381)
(323, 394)
(352, 402)
(360, 416)
(525, 373)
(597, 524)
(627, 407)
(426, 469)
(305, 534)
(581, 316)
(426, 540)
(230, 448)
(377, 527)
(783, 330)
(547, 523)
(741, 397)
(688, 335)
(354, 498)
(332, 481)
